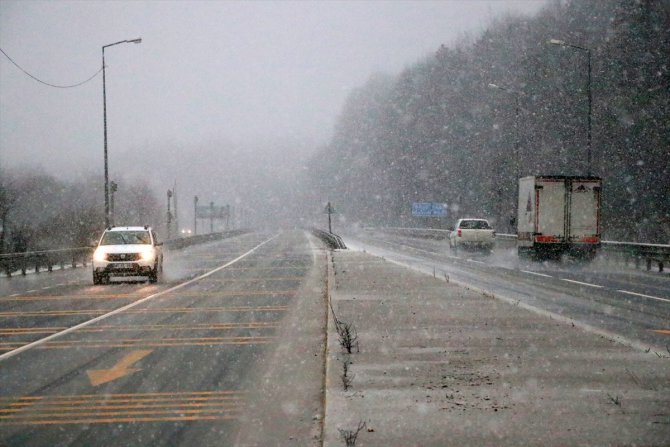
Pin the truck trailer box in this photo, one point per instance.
(559, 214)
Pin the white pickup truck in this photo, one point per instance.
(472, 233)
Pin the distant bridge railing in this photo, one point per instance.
(331, 239)
(183, 242)
(625, 252)
(11, 263)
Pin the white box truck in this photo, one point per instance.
(559, 215)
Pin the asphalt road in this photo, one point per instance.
(174, 367)
(632, 305)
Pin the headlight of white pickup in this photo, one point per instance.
(148, 254)
(99, 255)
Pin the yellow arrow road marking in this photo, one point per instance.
(100, 376)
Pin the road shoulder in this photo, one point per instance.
(442, 365)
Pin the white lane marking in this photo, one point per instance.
(582, 283)
(645, 296)
(475, 261)
(536, 273)
(47, 287)
(31, 291)
(15, 294)
(41, 341)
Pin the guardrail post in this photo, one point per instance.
(660, 266)
(648, 264)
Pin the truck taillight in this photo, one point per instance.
(459, 232)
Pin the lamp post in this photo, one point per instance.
(104, 119)
(516, 122)
(588, 92)
(516, 138)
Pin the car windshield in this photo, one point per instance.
(126, 237)
(474, 225)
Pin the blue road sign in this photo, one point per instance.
(429, 209)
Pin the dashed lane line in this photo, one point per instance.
(537, 274)
(39, 342)
(582, 283)
(665, 300)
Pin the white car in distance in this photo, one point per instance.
(472, 233)
(126, 252)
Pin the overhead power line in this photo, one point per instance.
(46, 83)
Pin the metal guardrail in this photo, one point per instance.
(331, 239)
(14, 262)
(625, 252)
(638, 252)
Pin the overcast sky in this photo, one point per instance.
(248, 72)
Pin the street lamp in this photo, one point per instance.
(104, 114)
(516, 122)
(516, 135)
(588, 92)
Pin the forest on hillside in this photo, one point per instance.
(438, 132)
(39, 211)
